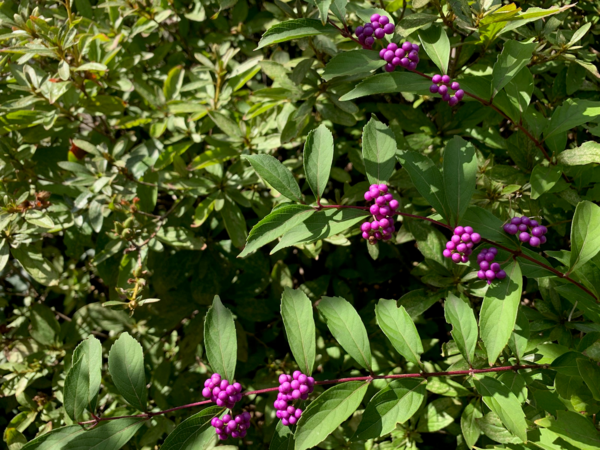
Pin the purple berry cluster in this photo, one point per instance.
(221, 392)
(377, 28)
(236, 427)
(528, 230)
(406, 56)
(383, 208)
(291, 388)
(442, 85)
(460, 246)
(489, 270)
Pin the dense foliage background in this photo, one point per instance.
(126, 201)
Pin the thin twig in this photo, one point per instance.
(369, 378)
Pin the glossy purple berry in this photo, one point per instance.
(368, 31)
(359, 30)
(389, 28)
(436, 79)
(535, 241)
(389, 67)
(392, 46)
(459, 94)
(447, 253)
(369, 41)
(501, 275)
(481, 274)
(413, 56)
(445, 79)
(405, 62)
(443, 90)
(515, 220)
(384, 20)
(456, 257)
(375, 17)
(379, 33)
(453, 101)
(524, 237)
(388, 55)
(407, 46)
(433, 88)
(537, 231)
(455, 86)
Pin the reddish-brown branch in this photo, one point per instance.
(518, 253)
(424, 375)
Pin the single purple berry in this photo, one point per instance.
(495, 267)
(366, 235)
(392, 46)
(359, 30)
(380, 201)
(433, 88)
(493, 250)
(501, 275)
(443, 90)
(459, 94)
(389, 67)
(374, 226)
(455, 239)
(389, 28)
(383, 188)
(413, 56)
(475, 238)
(490, 275)
(388, 197)
(465, 237)
(533, 223)
(407, 46)
(405, 62)
(522, 227)
(464, 259)
(415, 47)
(458, 231)
(515, 220)
(385, 210)
(375, 24)
(456, 257)
(535, 241)
(394, 204)
(544, 229)
(436, 79)
(524, 236)
(481, 274)
(489, 257)
(450, 245)
(379, 33)
(455, 86)
(384, 223)
(388, 55)
(525, 220)
(368, 196)
(369, 41)
(484, 265)
(445, 79)
(447, 253)
(374, 209)
(375, 17)
(412, 65)
(453, 101)
(400, 53)
(461, 248)
(537, 231)
(384, 20)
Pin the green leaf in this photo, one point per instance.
(91, 66)
(4, 253)
(297, 315)
(227, 126)
(126, 367)
(400, 329)
(56, 439)
(487, 225)
(388, 83)
(173, 82)
(39, 218)
(318, 158)
(585, 234)
(277, 175)
(573, 428)
(468, 422)
(277, 223)
(396, 403)
(212, 156)
(321, 225)
(437, 46)
(108, 436)
(347, 328)
(460, 176)
(520, 335)
(515, 55)
(504, 403)
(352, 63)
(327, 412)
(82, 381)
(499, 311)
(203, 210)
(414, 22)
(220, 340)
(427, 179)
(293, 29)
(193, 433)
(323, 6)
(378, 150)
(36, 265)
(572, 113)
(543, 179)
(587, 153)
(283, 439)
(590, 372)
(464, 325)
(44, 326)
(235, 223)
(516, 95)
(439, 414)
